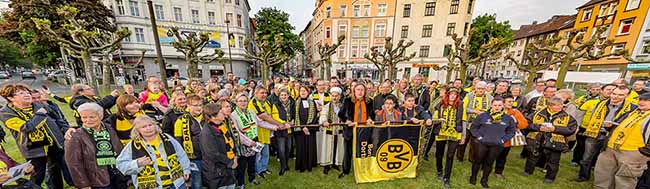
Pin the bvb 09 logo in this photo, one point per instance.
(394, 155)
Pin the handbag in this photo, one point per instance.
(518, 140)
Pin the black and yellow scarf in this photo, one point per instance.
(448, 127)
(540, 104)
(311, 110)
(39, 137)
(326, 97)
(629, 122)
(496, 116)
(123, 126)
(182, 130)
(104, 152)
(227, 138)
(146, 178)
(599, 115)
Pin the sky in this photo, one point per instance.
(518, 12)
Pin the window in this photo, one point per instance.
(606, 33)
(135, 10)
(469, 7)
(343, 9)
(236, 2)
(645, 48)
(612, 8)
(426, 30)
(328, 32)
(356, 10)
(341, 52)
(430, 9)
(424, 71)
(465, 29)
(354, 49)
(239, 21)
(381, 9)
(366, 10)
(363, 48)
(364, 31)
(625, 26)
(424, 51)
(603, 9)
(228, 1)
(380, 30)
(586, 15)
(616, 48)
(407, 72)
(632, 4)
(120, 7)
(328, 12)
(451, 29)
(139, 35)
(356, 31)
(211, 19)
(343, 30)
(446, 51)
(160, 15)
(229, 17)
(127, 38)
(195, 16)
(519, 53)
(407, 10)
(405, 32)
(178, 14)
(241, 41)
(454, 7)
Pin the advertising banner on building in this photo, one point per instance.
(167, 37)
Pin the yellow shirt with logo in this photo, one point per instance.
(263, 134)
(632, 138)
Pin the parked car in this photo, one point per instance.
(28, 75)
(170, 81)
(4, 76)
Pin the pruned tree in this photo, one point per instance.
(191, 44)
(84, 41)
(579, 48)
(325, 52)
(268, 53)
(451, 67)
(387, 60)
(535, 59)
(461, 54)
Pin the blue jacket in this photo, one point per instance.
(489, 133)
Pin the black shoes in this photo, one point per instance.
(472, 180)
(440, 177)
(548, 181)
(336, 167)
(485, 185)
(446, 183)
(255, 182)
(282, 171)
(580, 179)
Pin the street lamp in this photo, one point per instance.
(154, 28)
(229, 52)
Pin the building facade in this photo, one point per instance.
(641, 54)
(623, 20)
(189, 16)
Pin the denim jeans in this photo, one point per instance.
(195, 176)
(262, 160)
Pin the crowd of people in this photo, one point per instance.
(222, 134)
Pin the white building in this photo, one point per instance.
(430, 25)
(4, 4)
(189, 16)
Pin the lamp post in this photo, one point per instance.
(229, 52)
(154, 28)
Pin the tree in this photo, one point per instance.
(535, 59)
(40, 54)
(10, 54)
(85, 41)
(578, 48)
(326, 51)
(268, 54)
(486, 27)
(462, 58)
(387, 60)
(191, 45)
(273, 22)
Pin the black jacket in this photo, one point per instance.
(347, 113)
(378, 101)
(419, 112)
(459, 119)
(421, 96)
(216, 170)
(489, 133)
(169, 119)
(107, 103)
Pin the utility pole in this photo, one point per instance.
(156, 38)
(229, 53)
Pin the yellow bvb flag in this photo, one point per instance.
(386, 152)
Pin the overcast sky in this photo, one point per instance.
(518, 12)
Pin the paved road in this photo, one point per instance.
(37, 83)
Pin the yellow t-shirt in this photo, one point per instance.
(264, 135)
(628, 133)
(159, 160)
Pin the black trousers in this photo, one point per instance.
(484, 157)
(440, 152)
(51, 162)
(347, 156)
(245, 165)
(501, 161)
(552, 162)
(579, 148)
(592, 150)
(432, 139)
(283, 147)
(460, 151)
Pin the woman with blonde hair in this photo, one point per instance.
(153, 159)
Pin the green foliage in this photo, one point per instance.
(486, 27)
(10, 54)
(274, 22)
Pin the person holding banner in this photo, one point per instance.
(305, 112)
(330, 145)
(490, 130)
(356, 109)
(281, 112)
(449, 132)
(547, 137)
(388, 113)
(413, 112)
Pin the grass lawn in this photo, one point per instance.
(426, 173)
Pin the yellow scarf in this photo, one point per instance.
(540, 104)
(151, 97)
(625, 130)
(448, 127)
(182, 128)
(557, 122)
(598, 117)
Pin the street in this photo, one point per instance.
(37, 83)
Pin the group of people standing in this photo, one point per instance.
(222, 134)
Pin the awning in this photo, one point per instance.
(640, 66)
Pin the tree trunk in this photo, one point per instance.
(106, 75)
(561, 74)
(265, 72)
(382, 74)
(192, 69)
(530, 81)
(391, 72)
(322, 70)
(328, 70)
(462, 72)
(448, 77)
(88, 68)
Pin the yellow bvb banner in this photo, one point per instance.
(386, 152)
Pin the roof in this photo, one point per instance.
(591, 2)
(556, 22)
